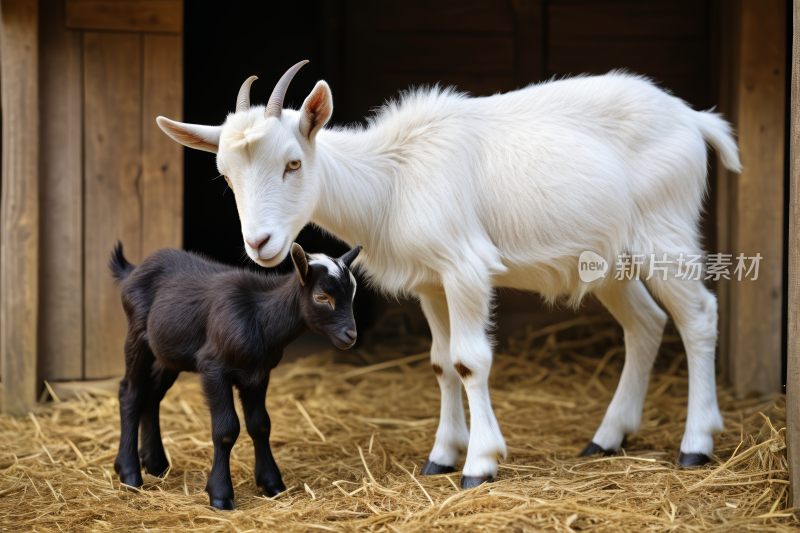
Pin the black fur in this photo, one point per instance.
(188, 314)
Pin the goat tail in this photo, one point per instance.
(120, 267)
(719, 134)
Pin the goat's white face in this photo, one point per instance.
(267, 158)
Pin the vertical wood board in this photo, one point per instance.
(162, 158)
(61, 198)
(113, 188)
(756, 305)
(19, 204)
(793, 330)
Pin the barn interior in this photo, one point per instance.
(369, 52)
(84, 165)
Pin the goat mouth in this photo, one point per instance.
(343, 344)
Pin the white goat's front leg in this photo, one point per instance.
(468, 299)
(453, 435)
(643, 322)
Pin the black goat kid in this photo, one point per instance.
(189, 314)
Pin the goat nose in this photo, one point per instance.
(352, 334)
(257, 243)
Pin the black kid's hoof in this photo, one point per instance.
(223, 504)
(594, 449)
(431, 469)
(470, 482)
(272, 491)
(693, 460)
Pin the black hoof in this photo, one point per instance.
(223, 504)
(470, 482)
(133, 481)
(272, 491)
(432, 469)
(693, 460)
(594, 449)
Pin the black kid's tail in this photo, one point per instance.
(120, 268)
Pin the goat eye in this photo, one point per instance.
(321, 298)
(293, 165)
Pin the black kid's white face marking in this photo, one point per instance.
(331, 290)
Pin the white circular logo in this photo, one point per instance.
(591, 267)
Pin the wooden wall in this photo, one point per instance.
(108, 69)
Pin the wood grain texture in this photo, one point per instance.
(793, 342)
(19, 205)
(162, 158)
(755, 348)
(726, 12)
(113, 188)
(125, 15)
(61, 197)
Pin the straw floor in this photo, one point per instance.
(350, 441)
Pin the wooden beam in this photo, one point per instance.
(793, 343)
(113, 188)
(61, 176)
(757, 219)
(125, 15)
(19, 206)
(162, 158)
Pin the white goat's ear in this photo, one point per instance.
(192, 135)
(317, 110)
(300, 262)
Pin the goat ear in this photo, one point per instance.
(300, 262)
(317, 110)
(192, 135)
(350, 256)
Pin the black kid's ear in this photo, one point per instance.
(350, 256)
(317, 110)
(300, 262)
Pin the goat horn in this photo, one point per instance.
(243, 100)
(275, 104)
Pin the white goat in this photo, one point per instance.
(451, 196)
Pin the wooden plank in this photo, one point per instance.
(668, 57)
(113, 188)
(125, 15)
(61, 198)
(529, 41)
(793, 341)
(610, 20)
(423, 15)
(758, 221)
(162, 158)
(725, 15)
(19, 204)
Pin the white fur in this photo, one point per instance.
(451, 196)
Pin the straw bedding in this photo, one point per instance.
(350, 441)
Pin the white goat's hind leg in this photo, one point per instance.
(643, 322)
(472, 355)
(452, 436)
(694, 310)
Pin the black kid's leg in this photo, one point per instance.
(268, 477)
(151, 451)
(224, 431)
(133, 392)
